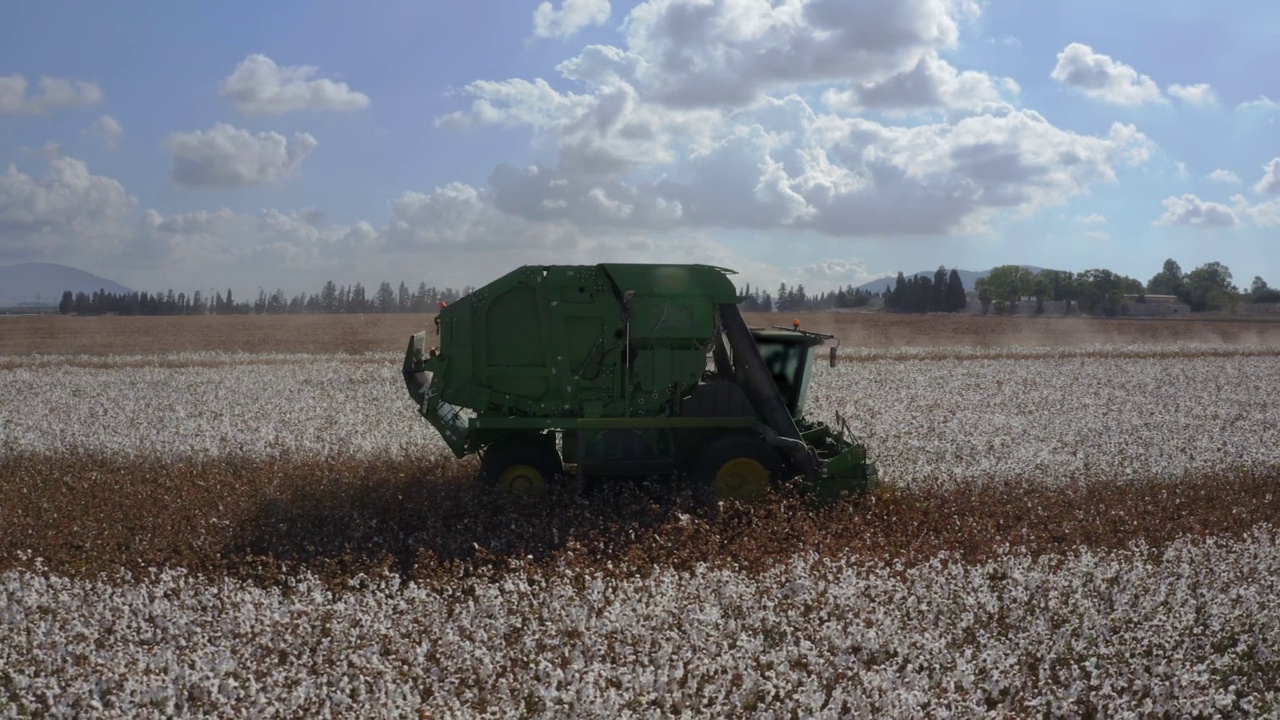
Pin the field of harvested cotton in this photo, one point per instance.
(1062, 531)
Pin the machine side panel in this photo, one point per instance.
(514, 361)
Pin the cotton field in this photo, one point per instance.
(929, 416)
(214, 404)
(1190, 631)
(1185, 626)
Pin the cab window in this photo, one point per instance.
(785, 363)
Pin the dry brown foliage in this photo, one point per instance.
(56, 334)
(264, 519)
(257, 518)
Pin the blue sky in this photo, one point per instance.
(816, 141)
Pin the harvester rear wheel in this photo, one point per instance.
(522, 466)
(737, 467)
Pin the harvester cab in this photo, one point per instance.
(617, 370)
(788, 353)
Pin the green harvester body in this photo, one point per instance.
(625, 370)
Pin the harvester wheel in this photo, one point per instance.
(521, 466)
(737, 467)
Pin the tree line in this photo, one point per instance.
(1208, 287)
(944, 292)
(1096, 291)
(332, 298)
(1100, 291)
(795, 299)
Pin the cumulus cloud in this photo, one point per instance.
(831, 273)
(517, 102)
(1262, 102)
(105, 129)
(68, 211)
(1270, 182)
(537, 193)
(572, 16)
(258, 246)
(777, 162)
(55, 94)
(71, 215)
(932, 83)
(457, 216)
(460, 217)
(701, 122)
(609, 130)
(699, 53)
(48, 151)
(1098, 235)
(952, 178)
(454, 233)
(1223, 176)
(479, 236)
(1199, 94)
(1192, 211)
(1103, 78)
(1264, 215)
(841, 176)
(676, 129)
(200, 237)
(228, 156)
(1091, 219)
(258, 86)
(465, 219)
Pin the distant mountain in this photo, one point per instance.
(968, 277)
(29, 283)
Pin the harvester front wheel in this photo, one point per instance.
(522, 466)
(737, 467)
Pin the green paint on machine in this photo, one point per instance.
(623, 370)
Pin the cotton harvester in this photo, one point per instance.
(619, 370)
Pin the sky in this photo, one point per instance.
(817, 142)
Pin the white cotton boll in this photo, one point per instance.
(997, 413)
(1150, 410)
(1188, 630)
(215, 404)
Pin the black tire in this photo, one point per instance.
(736, 467)
(525, 465)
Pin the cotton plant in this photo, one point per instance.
(275, 406)
(946, 421)
(1190, 630)
(1088, 350)
(931, 418)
